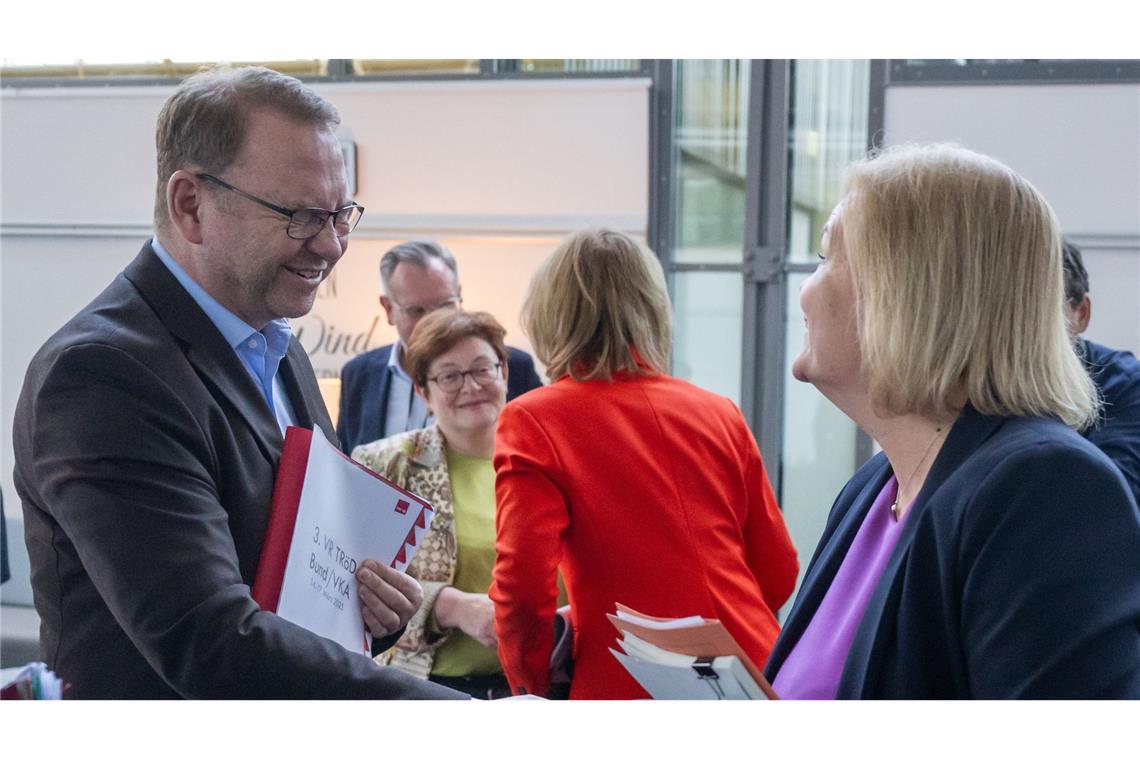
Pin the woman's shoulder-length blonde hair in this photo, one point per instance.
(956, 264)
(597, 306)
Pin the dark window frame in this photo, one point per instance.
(911, 72)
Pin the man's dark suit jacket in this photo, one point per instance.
(145, 459)
(1117, 433)
(364, 384)
(1017, 573)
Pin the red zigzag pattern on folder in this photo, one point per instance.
(410, 540)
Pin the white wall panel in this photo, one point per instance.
(498, 170)
(1079, 145)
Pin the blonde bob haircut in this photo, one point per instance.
(598, 306)
(959, 288)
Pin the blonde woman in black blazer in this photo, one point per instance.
(989, 551)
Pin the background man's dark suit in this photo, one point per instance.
(365, 380)
(1117, 432)
(145, 459)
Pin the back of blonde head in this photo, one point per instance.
(956, 262)
(597, 306)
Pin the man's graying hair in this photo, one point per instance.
(418, 252)
(1076, 278)
(203, 124)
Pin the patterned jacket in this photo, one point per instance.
(416, 460)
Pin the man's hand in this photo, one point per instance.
(388, 598)
(474, 614)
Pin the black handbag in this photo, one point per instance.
(562, 655)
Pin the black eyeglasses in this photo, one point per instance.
(483, 376)
(419, 312)
(304, 223)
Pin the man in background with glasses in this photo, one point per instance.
(149, 427)
(377, 399)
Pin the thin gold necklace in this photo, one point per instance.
(898, 485)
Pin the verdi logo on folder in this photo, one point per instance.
(328, 515)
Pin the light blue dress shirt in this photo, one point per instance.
(260, 351)
(406, 410)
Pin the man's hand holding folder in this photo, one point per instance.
(338, 532)
(388, 597)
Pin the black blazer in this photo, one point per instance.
(145, 458)
(364, 383)
(1017, 573)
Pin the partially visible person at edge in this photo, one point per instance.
(1115, 373)
(458, 362)
(149, 427)
(641, 488)
(989, 551)
(378, 397)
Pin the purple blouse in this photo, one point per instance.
(814, 665)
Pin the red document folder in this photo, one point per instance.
(323, 486)
(282, 517)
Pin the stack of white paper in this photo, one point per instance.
(712, 666)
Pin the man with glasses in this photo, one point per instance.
(149, 428)
(376, 398)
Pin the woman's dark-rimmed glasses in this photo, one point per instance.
(483, 376)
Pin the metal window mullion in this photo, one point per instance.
(878, 79)
(338, 69)
(1013, 71)
(698, 267)
(877, 84)
(662, 204)
(762, 370)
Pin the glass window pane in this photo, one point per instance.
(566, 65)
(819, 445)
(414, 66)
(164, 69)
(707, 338)
(709, 160)
(828, 130)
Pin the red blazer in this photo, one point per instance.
(646, 491)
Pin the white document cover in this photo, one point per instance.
(328, 515)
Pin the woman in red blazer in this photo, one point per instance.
(641, 488)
